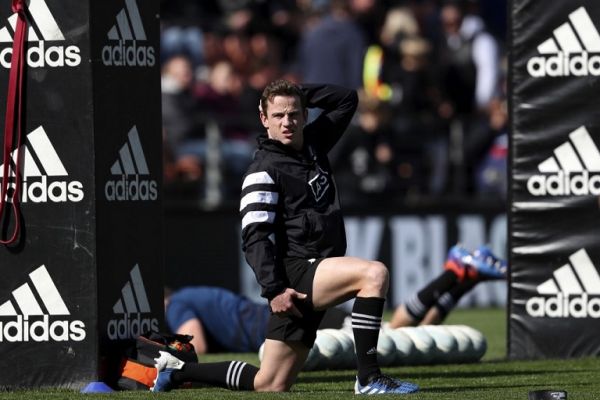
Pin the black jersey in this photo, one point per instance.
(290, 206)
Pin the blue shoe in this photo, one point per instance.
(165, 365)
(460, 261)
(488, 265)
(383, 384)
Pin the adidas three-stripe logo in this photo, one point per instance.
(43, 19)
(27, 302)
(131, 159)
(129, 166)
(574, 169)
(42, 27)
(566, 278)
(38, 161)
(134, 298)
(30, 313)
(570, 50)
(129, 24)
(49, 162)
(581, 155)
(133, 303)
(575, 36)
(568, 293)
(128, 31)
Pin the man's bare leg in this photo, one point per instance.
(433, 317)
(338, 279)
(402, 317)
(280, 366)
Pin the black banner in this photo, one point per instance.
(87, 270)
(555, 168)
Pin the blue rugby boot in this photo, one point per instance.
(383, 384)
(165, 365)
(488, 265)
(461, 262)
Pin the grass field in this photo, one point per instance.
(493, 378)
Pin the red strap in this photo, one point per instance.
(14, 111)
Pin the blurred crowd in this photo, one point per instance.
(432, 119)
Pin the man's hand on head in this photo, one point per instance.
(283, 303)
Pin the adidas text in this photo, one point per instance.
(128, 55)
(130, 328)
(56, 192)
(126, 189)
(38, 56)
(41, 330)
(564, 184)
(564, 64)
(561, 306)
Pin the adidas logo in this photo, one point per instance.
(567, 172)
(32, 322)
(132, 304)
(573, 50)
(130, 165)
(568, 293)
(39, 161)
(42, 28)
(128, 32)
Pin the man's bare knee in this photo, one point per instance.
(266, 382)
(280, 366)
(377, 277)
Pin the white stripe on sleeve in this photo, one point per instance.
(257, 178)
(259, 197)
(254, 217)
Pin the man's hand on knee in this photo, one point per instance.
(283, 303)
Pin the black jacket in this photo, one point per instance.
(290, 206)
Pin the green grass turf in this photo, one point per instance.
(493, 378)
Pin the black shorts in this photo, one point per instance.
(301, 274)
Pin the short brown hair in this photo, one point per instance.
(281, 87)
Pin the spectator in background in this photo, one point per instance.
(366, 157)
(368, 14)
(469, 60)
(332, 51)
(492, 174)
(182, 28)
(468, 70)
(398, 72)
(217, 106)
(179, 118)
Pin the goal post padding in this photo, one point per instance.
(86, 275)
(554, 70)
